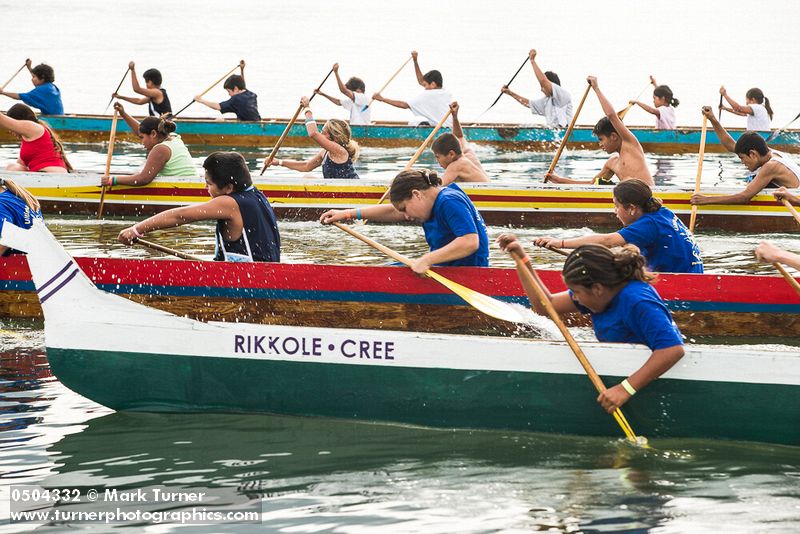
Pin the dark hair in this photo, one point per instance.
(405, 182)
(663, 91)
(162, 125)
(604, 127)
(751, 140)
(355, 84)
(235, 81)
(553, 77)
(224, 168)
(597, 264)
(634, 192)
(21, 112)
(758, 95)
(433, 76)
(152, 75)
(44, 72)
(445, 143)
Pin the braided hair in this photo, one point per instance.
(597, 264)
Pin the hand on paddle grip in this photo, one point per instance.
(613, 398)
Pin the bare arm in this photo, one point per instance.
(659, 362)
(29, 130)
(132, 99)
(345, 91)
(519, 98)
(150, 94)
(458, 248)
(212, 105)
(768, 253)
(611, 113)
(301, 166)
(396, 103)
(544, 83)
(613, 239)
(724, 137)
(417, 70)
(377, 213)
(335, 100)
(736, 107)
(156, 159)
(15, 96)
(649, 109)
(761, 180)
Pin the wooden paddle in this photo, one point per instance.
(693, 216)
(485, 304)
(210, 87)
(107, 172)
(117, 90)
(291, 123)
(14, 76)
(524, 268)
(625, 111)
(420, 150)
(791, 209)
(568, 132)
(557, 250)
(371, 100)
(788, 277)
(167, 250)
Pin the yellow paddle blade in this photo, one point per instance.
(485, 304)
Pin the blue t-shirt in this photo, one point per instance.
(454, 215)
(46, 98)
(665, 241)
(244, 104)
(14, 210)
(635, 315)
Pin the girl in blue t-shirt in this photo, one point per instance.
(17, 206)
(611, 285)
(661, 236)
(454, 229)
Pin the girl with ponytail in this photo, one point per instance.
(166, 153)
(757, 109)
(339, 149)
(663, 239)
(454, 230)
(16, 206)
(612, 286)
(665, 104)
(41, 150)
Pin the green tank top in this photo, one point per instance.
(180, 163)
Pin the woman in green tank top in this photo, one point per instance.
(166, 153)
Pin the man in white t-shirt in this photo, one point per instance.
(555, 106)
(428, 107)
(355, 101)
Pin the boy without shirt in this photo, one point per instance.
(456, 157)
(613, 137)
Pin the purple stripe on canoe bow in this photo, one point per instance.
(59, 286)
(53, 279)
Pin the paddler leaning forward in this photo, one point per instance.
(454, 229)
(612, 286)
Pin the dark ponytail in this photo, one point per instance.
(635, 192)
(597, 264)
(163, 125)
(407, 181)
(21, 112)
(663, 91)
(758, 95)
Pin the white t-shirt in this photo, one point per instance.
(665, 120)
(431, 105)
(759, 120)
(359, 112)
(556, 109)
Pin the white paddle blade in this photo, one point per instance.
(483, 303)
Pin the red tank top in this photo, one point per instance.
(40, 153)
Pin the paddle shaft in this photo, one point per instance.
(167, 250)
(291, 123)
(420, 150)
(625, 111)
(110, 100)
(112, 137)
(791, 209)
(14, 76)
(524, 270)
(568, 132)
(720, 108)
(382, 89)
(210, 87)
(776, 133)
(514, 77)
(701, 154)
(374, 244)
(788, 277)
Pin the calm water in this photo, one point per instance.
(332, 476)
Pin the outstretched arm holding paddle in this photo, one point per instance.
(555, 106)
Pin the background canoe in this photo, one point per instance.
(392, 297)
(500, 203)
(95, 128)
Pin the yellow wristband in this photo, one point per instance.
(628, 387)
